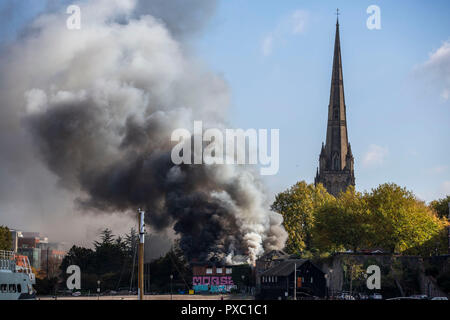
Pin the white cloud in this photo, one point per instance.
(292, 25)
(375, 156)
(298, 20)
(437, 70)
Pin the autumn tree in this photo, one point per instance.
(441, 207)
(399, 221)
(343, 223)
(388, 217)
(298, 206)
(353, 271)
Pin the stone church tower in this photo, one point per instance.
(336, 170)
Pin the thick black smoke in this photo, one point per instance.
(100, 105)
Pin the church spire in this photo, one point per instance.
(336, 160)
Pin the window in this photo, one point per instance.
(219, 270)
(228, 270)
(208, 270)
(12, 288)
(19, 288)
(311, 280)
(4, 287)
(336, 160)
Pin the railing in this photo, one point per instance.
(7, 260)
(16, 263)
(22, 264)
(7, 255)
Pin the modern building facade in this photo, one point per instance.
(336, 162)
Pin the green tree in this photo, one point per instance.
(298, 206)
(5, 238)
(399, 221)
(343, 223)
(82, 257)
(173, 263)
(110, 253)
(353, 272)
(441, 207)
(110, 261)
(107, 238)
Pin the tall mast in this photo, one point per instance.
(141, 254)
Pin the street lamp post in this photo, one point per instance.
(330, 282)
(295, 281)
(98, 289)
(171, 278)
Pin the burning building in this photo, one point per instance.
(221, 278)
(211, 277)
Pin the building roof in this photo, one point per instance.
(285, 268)
(210, 264)
(273, 255)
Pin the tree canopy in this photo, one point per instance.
(441, 207)
(5, 238)
(298, 205)
(113, 261)
(388, 217)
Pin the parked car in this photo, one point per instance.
(362, 296)
(345, 296)
(76, 294)
(440, 298)
(305, 296)
(376, 296)
(420, 296)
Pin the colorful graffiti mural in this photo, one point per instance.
(212, 284)
(214, 281)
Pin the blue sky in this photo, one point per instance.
(276, 57)
(398, 113)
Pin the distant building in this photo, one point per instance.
(336, 162)
(267, 261)
(34, 256)
(212, 277)
(15, 235)
(279, 282)
(37, 248)
(32, 240)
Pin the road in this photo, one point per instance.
(156, 297)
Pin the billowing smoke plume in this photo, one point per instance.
(101, 103)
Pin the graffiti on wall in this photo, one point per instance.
(212, 284)
(214, 281)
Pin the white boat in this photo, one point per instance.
(16, 277)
